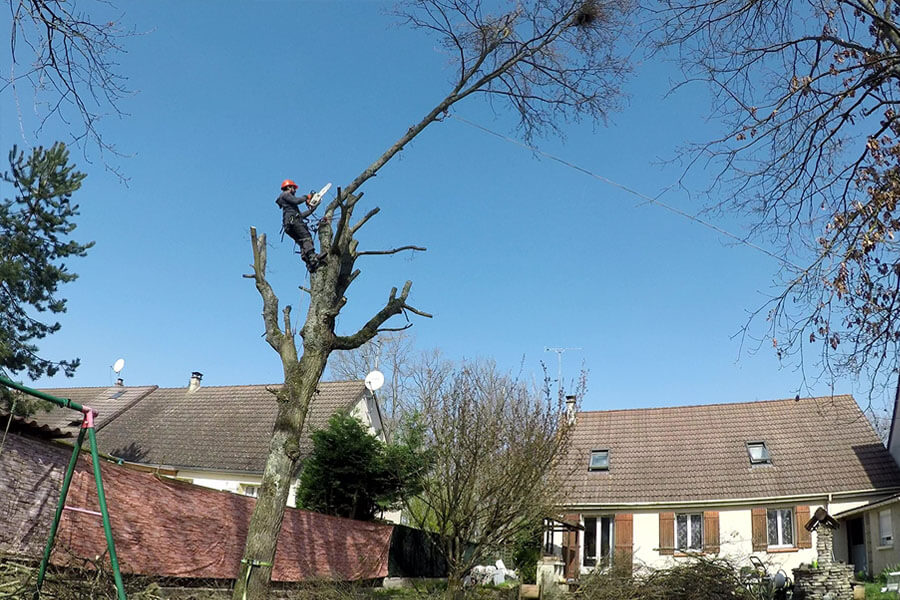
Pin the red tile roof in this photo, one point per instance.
(110, 403)
(225, 428)
(698, 453)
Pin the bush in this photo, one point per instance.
(697, 579)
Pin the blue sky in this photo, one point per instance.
(523, 253)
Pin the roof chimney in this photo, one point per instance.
(570, 409)
(120, 382)
(196, 378)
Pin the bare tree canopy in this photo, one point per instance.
(546, 61)
(496, 445)
(390, 353)
(67, 59)
(808, 93)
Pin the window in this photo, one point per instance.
(689, 532)
(598, 536)
(759, 453)
(590, 541)
(885, 529)
(780, 526)
(599, 460)
(251, 490)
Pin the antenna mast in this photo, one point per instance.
(559, 353)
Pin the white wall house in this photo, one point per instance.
(216, 436)
(871, 531)
(651, 487)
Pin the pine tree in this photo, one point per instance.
(35, 229)
(353, 474)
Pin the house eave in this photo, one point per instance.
(822, 497)
(867, 507)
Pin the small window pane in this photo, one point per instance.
(681, 531)
(772, 527)
(885, 528)
(599, 460)
(696, 531)
(606, 524)
(787, 527)
(590, 541)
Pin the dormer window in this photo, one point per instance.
(599, 460)
(759, 453)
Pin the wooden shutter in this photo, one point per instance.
(571, 548)
(667, 533)
(801, 516)
(760, 535)
(623, 532)
(711, 531)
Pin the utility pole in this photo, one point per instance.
(559, 353)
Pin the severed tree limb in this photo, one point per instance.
(392, 251)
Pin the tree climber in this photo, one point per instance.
(294, 223)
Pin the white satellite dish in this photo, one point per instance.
(119, 365)
(374, 380)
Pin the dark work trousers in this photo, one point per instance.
(297, 230)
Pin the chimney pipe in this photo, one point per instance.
(196, 378)
(570, 409)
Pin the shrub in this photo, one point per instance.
(697, 579)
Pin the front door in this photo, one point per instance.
(856, 542)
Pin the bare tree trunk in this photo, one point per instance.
(281, 467)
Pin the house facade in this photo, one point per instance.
(213, 436)
(871, 530)
(652, 487)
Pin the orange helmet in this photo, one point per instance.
(288, 183)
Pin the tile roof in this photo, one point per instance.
(221, 428)
(110, 402)
(698, 453)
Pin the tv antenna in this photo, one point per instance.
(559, 353)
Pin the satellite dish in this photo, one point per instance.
(119, 365)
(374, 380)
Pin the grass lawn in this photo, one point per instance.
(873, 592)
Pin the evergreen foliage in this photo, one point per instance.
(35, 229)
(354, 474)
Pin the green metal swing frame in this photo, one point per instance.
(87, 429)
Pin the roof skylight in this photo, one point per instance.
(599, 460)
(759, 453)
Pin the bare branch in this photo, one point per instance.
(394, 306)
(365, 218)
(71, 60)
(274, 335)
(392, 251)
